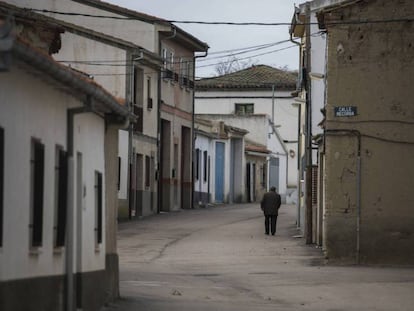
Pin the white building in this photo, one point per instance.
(218, 163)
(259, 132)
(56, 133)
(261, 90)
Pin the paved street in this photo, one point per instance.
(218, 258)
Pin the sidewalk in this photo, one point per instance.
(218, 258)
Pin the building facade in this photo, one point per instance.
(219, 163)
(364, 203)
(258, 90)
(55, 186)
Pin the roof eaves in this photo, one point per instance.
(198, 45)
(5, 9)
(45, 63)
(122, 11)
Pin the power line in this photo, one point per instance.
(353, 22)
(243, 58)
(245, 48)
(94, 63)
(244, 52)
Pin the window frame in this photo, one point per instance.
(147, 172)
(98, 208)
(205, 158)
(245, 106)
(197, 164)
(37, 180)
(2, 156)
(61, 195)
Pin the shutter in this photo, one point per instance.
(1, 183)
(38, 179)
(139, 124)
(99, 207)
(314, 185)
(62, 198)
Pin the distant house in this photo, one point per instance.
(366, 146)
(218, 163)
(257, 161)
(258, 91)
(262, 136)
(58, 131)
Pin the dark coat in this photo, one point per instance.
(270, 203)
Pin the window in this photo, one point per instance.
(197, 164)
(147, 171)
(205, 166)
(119, 173)
(1, 183)
(263, 175)
(138, 125)
(164, 58)
(149, 97)
(61, 182)
(37, 184)
(189, 68)
(171, 60)
(182, 71)
(98, 207)
(244, 109)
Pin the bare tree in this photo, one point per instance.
(232, 64)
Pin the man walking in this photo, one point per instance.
(270, 205)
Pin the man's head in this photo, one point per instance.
(273, 189)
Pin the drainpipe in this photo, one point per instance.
(299, 152)
(69, 252)
(192, 125)
(131, 133)
(309, 216)
(273, 104)
(159, 95)
(343, 132)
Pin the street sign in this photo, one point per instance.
(345, 111)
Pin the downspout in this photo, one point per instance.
(159, 95)
(192, 125)
(69, 253)
(273, 104)
(299, 152)
(131, 133)
(309, 216)
(343, 132)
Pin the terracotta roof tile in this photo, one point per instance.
(255, 77)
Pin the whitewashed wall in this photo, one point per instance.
(90, 128)
(31, 108)
(259, 129)
(285, 115)
(318, 64)
(123, 154)
(89, 56)
(204, 143)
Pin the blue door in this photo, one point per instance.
(219, 181)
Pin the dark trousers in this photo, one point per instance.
(270, 220)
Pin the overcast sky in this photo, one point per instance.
(221, 37)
